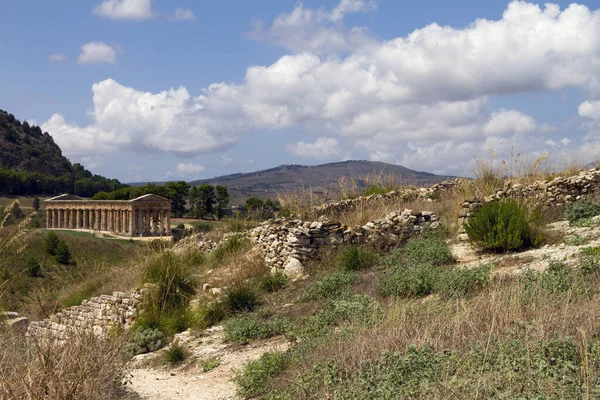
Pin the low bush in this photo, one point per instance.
(354, 258)
(410, 281)
(176, 354)
(62, 255)
(210, 313)
(241, 298)
(502, 226)
(581, 209)
(33, 268)
(50, 243)
(432, 250)
(461, 282)
(558, 278)
(329, 286)
(589, 260)
(273, 282)
(576, 240)
(234, 244)
(251, 380)
(253, 326)
(208, 364)
(144, 340)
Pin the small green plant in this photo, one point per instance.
(354, 258)
(176, 354)
(589, 260)
(233, 245)
(145, 340)
(211, 313)
(208, 364)
(580, 210)
(241, 298)
(5, 275)
(432, 250)
(502, 226)
(253, 326)
(558, 278)
(461, 282)
(33, 268)
(50, 243)
(329, 286)
(273, 282)
(410, 281)
(251, 380)
(63, 255)
(576, 240)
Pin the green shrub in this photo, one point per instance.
(589, 260)
(354, 258)
(581, 209)
(241, 298)
(557, 278)
(233, 245)
(33, 268)
(252, 326)
(173, 284)
(577, 240)
(432, 250)
(252, 379)
(273, 282)
(5, 275)
(501, 227)
(211, 313)
(208, 364)
(176, 354)
(63, 255)
(145, 340)
(410, 281)
(461, 282)
(50, 243)
(329, 286)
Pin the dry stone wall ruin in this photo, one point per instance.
(97, 314)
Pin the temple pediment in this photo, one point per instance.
(65, 197)
(149, 197)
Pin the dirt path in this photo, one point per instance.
(190, 381)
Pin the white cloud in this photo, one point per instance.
(91, 162)
(186, 169)
(96, 53)
(183, 14)
(407, 99)
(321, 149)
(125, 9)
(226, 160)
(53, 58)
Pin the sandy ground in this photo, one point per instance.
(190, 381)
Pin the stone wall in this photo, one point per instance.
(333, 210)
(289, 243)
(97, 314)
(545, 194)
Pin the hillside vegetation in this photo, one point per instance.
(31, 163)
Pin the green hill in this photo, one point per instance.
(31, 163)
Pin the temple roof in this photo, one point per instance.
(65, 197)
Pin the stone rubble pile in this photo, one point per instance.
(97, 314)
(333, 210)
(289, 243)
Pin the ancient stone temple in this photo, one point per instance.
(148, 215)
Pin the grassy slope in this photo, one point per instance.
(99, 266)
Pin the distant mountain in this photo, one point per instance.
(286, 178)
(31, 163)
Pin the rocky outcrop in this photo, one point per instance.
(97, 314)
(289, 243)
(333, 210)
(14, 321)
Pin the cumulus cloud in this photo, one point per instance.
(186, 169)
(59, 57)
(406, 99)
(226, 160)
(321, 149)
(96, 53)
(183, 14)
(125, 9)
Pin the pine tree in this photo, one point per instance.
(50, 243)
(36, 203)
(33, 267)
(63, 255)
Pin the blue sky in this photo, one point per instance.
(155, 90)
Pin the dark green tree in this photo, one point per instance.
(177, 192)
(63, 255)
(36, 203)
(222, 200)
(33, 268)
(206, 199)
(50, 243)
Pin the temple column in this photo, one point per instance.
(97, 220)
(130, 216)
(139, 226)
(48, 219)
(117, 221)
(168, 221)
(73, 219)
(111, 220)
(78, 222)
(147, 222)
(162, 221)
(61, 214)
(86, 215)
(55, 218)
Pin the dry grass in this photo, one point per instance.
(460, 324)
(85, 368)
